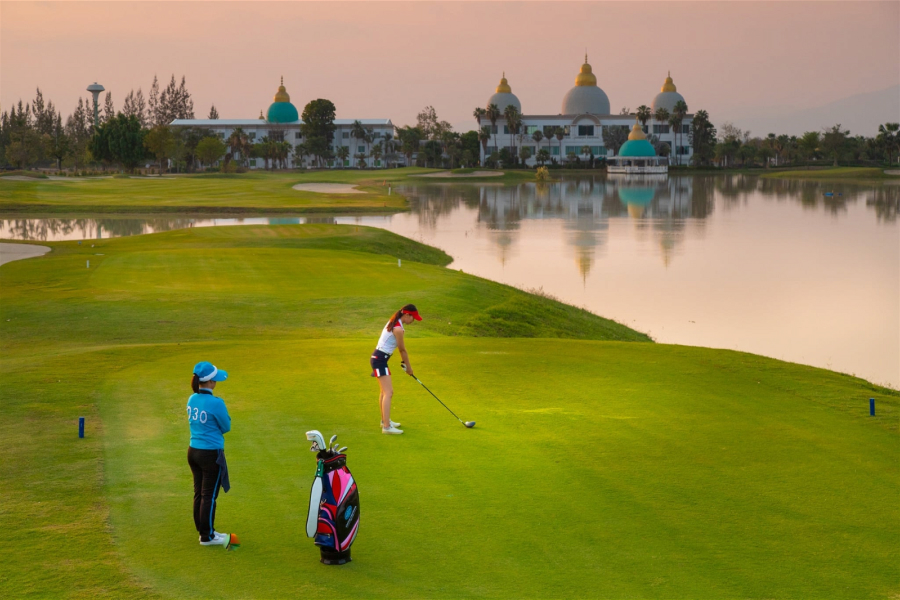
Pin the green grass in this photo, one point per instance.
(837, 173)
(255, 192)
(598, 467)
(22, 173)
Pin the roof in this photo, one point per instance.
(263, 123)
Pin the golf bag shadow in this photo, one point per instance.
(338, 508)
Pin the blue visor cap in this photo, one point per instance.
(206, 371)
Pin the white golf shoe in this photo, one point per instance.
(393, 424)
(391, 430)
(217, 539)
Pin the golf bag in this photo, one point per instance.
(335, 500)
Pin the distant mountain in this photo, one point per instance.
(861, 114)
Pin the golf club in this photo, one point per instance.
(469, 424)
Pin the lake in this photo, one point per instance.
(773, 267)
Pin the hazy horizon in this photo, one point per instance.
(738, 61)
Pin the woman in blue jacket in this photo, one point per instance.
(209, 420)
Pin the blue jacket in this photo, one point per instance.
(208, 419)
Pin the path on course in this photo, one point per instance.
(11, 252)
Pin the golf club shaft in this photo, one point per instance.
(438, 399)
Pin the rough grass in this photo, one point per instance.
(256, 192)
(597, 468)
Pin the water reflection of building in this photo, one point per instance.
(658, 205)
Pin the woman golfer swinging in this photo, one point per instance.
(209, 420)
(391, 339)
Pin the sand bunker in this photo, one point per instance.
(328, 188)
(892, 171)
(11, 252)
(472, 174)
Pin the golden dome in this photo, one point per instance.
(281, 95)
(504, 88)
(586, 77)
(668, 86)
(637, 133)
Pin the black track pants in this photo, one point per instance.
(206, 489)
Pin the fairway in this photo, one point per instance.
(601, 466)
(238, 193)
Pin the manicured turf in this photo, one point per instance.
(598, 468)
(837, 173)
(239, 193)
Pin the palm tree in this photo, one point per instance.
(661, 116)
(343, 153)
(301, 151)
(889, 139)
(377, 152)
(238, 141)
(357, 131)
(479, 114)
(560, 133)
(492, 112)
(679, 110)
(537, 136)
(368, 139)
(543, 156)
(513, 123)
(643, 114)
(484, 136)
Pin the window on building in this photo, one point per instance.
(548, 130)
(252, 135)
(575, 149)
(506, 129)
(252, 162)
(554, 150)
(586, 130)
(657, 129)
(645, 129)
(683, 150)
(360, 149)
(494, 129)
(345, 135)
(598, 150)
(347, 162)
(298, 135)
(685, 129)
(490, 150)
(531, 129)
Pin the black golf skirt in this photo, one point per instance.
(379, 363)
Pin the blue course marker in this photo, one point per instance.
(81, 427)
(872, 407)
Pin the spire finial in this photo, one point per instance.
(585, 55)
(504, 74)
(282, 80)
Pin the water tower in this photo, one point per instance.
(95, 89)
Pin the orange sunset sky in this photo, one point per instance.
(747, 62)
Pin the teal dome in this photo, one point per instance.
(637, 148)
(636, 195)
(281, 110)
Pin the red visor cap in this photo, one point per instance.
(414, 313)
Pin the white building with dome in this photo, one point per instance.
(282, 123)
(584, 113)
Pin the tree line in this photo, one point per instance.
(35, 134)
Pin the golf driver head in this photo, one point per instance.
(469, 424)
